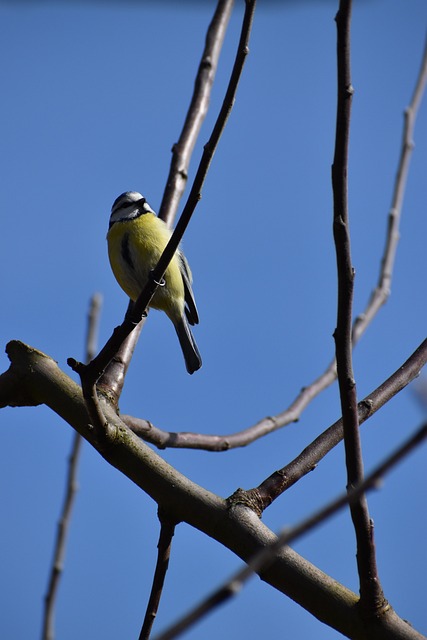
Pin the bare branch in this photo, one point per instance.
(207, 442)
(112, 380)
(281, 480)
(183, 149)
(309, 458)
(167, 530)
(371, 595)
(237, 528)
(267, 425)
(259, 562)
(70, 490)
(381, 293)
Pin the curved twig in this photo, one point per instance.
(381, 293)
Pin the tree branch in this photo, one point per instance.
(237, 528)
(190, 440)
(91, 373)
(167, 530)
(308, 459)
(70, 490)
(264, 557)
(381, 292)
(113, 378)
(372, 600)
(183, 149)
(267, 425)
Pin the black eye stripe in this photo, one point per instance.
(128, 199)
(130, 203)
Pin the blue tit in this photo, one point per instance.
(136, 239)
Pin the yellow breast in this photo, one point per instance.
(134, 249)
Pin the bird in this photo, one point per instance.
(136, 239)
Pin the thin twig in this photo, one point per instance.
(91, 373)
(308, 459)
(283, 479)
(70, 490)
(190, 440)
(371, 595)
(381, 292)
(264, 558)
(167, 530)
(183, 149)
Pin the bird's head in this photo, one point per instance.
(127, 206)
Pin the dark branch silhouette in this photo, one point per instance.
(372, 600)
(167, 530)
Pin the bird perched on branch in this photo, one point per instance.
(136, 239)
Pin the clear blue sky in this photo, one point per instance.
(94, 96)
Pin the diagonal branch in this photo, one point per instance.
(182, 150)
(371, 596)
(91, 373)
(113, 379)
(281, 480)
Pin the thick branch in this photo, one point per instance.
(263, 558)
(238, 529)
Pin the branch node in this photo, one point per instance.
(76, 366)
(251, 499)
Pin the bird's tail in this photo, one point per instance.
(193, 360)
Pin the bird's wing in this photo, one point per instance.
(190, 309)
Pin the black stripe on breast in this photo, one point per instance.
(125, 251)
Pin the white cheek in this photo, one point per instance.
(123, 214)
